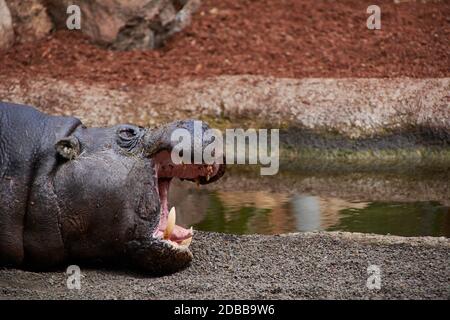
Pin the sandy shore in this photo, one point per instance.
(295, 266)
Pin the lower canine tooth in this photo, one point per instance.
(186, 242)
(170, 223)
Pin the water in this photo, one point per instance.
(399, 206)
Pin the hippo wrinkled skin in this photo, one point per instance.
(71, 193)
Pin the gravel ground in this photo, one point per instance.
(351, 107)
(295, 266)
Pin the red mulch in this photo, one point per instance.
(283, 38)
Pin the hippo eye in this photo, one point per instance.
(128, 136)
(128, 133)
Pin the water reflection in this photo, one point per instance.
(307, 212)
(315, 213)
(248, 212)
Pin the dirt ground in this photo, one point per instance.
(289, 38)
(296, 266)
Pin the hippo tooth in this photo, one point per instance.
(207, 177)
(170, 223)
(186, 242)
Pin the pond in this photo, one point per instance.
(369, 203)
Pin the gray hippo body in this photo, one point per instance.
(72, 193)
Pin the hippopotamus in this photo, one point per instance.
(73, 193)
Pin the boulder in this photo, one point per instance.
(31, 21)
(127, 24)
(6, 27)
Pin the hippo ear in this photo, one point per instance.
(68, 147)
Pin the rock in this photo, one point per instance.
(125, 25)
(6, 27)
(31, 21)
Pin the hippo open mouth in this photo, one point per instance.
(165, 170)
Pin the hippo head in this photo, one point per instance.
(112, 186)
